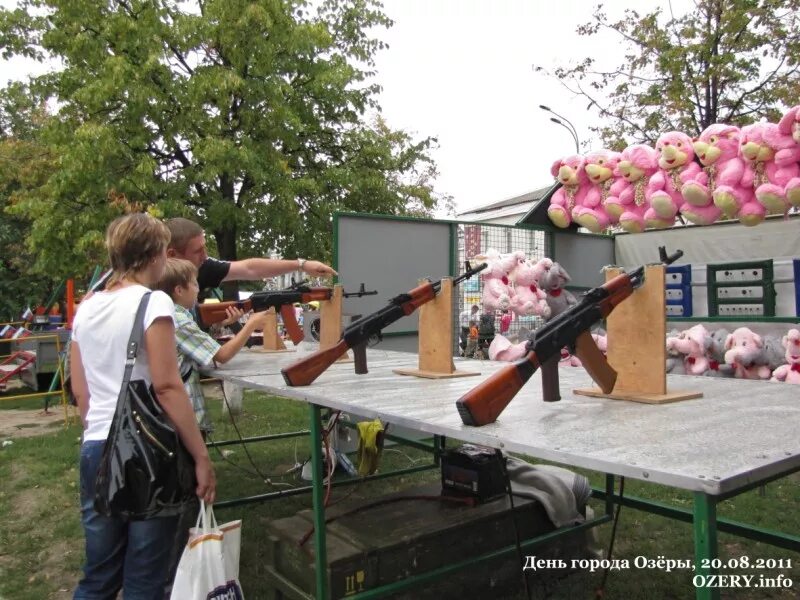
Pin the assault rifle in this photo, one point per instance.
(358, 333)
(281, 300)
(484, 403)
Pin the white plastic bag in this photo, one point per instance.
(209, 566)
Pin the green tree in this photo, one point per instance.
(726, 61)
(250, 116)
(23, 164)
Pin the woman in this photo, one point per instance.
(132, 555)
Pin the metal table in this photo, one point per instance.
(740, 435)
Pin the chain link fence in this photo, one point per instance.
(474, 239)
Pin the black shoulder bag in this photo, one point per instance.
(145, 471)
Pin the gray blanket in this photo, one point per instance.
(562, 493)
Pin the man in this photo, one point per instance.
(189, 242)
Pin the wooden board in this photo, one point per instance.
(272, 341)
(436, 337)
(636, 337)
(330, 322)
(433, 374)
(638, 396)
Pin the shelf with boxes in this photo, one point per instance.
(735, 292)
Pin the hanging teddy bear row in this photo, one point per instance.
(726, 173)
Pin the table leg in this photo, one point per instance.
(609, 494)
(705, 544)
(318, 497)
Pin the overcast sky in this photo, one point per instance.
(461, 71)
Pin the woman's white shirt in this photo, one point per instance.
(102, 328)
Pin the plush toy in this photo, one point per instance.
(675, 360)
(774, 351)
(570, 173)
(496, 277)
(601, 341)
(636, 168)
(790, 372)
(502, 349)
(721, 175)
(772, 159)
(599, 167)
(529, 298)
(716, 355)
(552, 281)
(569, 360)
(676, 159)
(790, 125)
(744, 349)
(694, 343)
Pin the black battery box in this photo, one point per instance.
(472, 470)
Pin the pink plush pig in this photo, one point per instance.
(694, 344)
(497, 292)
(636, 168)
(529, 298)
(744, 350)
(772, 160)
(599, 167)
(790, 372)
(790, 125)
(719, 183)
(570, 174)
(676, 159)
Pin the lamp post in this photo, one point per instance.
(565, 123)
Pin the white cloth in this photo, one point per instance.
(101, 328)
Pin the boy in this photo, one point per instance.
(472, 340)
(195, 347)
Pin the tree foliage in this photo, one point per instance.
(249, 115)
(726, 61)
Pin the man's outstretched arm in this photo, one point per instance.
(262, 268)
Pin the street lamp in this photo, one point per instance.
(565, 123)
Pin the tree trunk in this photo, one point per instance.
(226, 246)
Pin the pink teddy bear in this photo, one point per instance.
(790, 372)
(790, 125)
(636, 168)
(745, 351)
(719, 183)
(771, 158)
(599, 167)
(676, 159)
(529, 298)
(497, 292)
(572, 177)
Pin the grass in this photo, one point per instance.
(41, 545)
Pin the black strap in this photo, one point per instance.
(133, 344)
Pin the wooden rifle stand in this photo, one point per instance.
(330, 322)
(436, 337)
(272, 341)
(637, 351)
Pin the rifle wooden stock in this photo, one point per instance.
(296, 334)
(211, 313)
(307, 369)
(595, 363)
(484, 403)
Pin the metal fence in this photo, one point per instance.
(474, 239)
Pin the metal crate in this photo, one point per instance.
(679, 290)
(745, 289)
